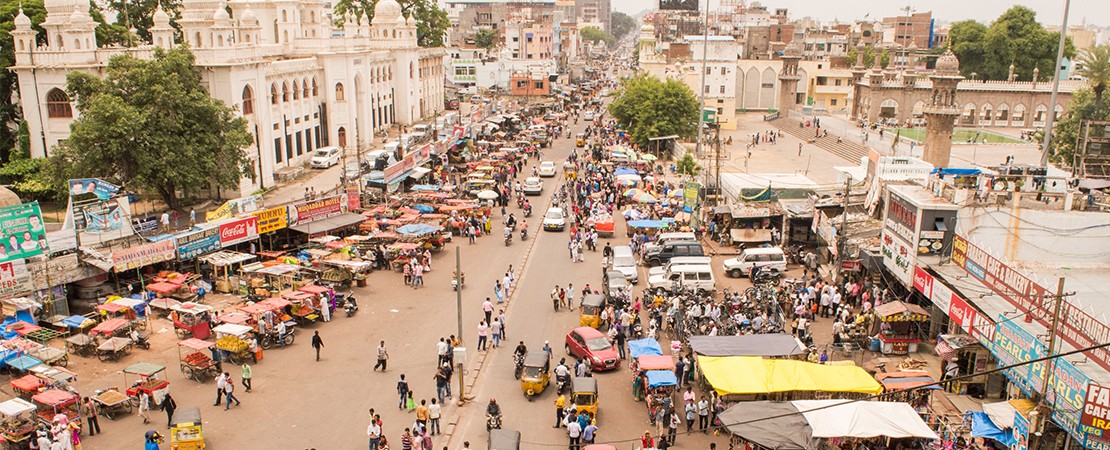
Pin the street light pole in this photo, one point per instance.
(701, 89)
(1055, 86)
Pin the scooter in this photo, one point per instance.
(493, 421)
(350, 306)
(508, 239)
(527, 210)
(142, 340)
(561, 383)
(518, 362)
(524, 234)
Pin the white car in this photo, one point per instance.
(553, 219)
(533, 186)
(547, 169)
(589, 115)
(325, 157)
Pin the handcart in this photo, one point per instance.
(54, 402)
(191, 319)
(18, 422)
(113, 349)
(117, 327)
(302, 309)
(123, 308)
(236, 343)
(195, 363)
(112, 403)
(81, 345)
(27, 386)
(147, 381)
(22, 363)
(50, 355)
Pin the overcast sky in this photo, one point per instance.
(1048, 11)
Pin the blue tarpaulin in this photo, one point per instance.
(425, 187)
(625, 171)
(647, 224)
(424, 209)
(23, 362)
(657, 378)
(74, 321)
(961, 172)
(644, 347)
(418, 228)
(982, 426)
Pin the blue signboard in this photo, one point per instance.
(103, 189)
(1013, 345)
(194, 244)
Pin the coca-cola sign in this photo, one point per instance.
(238, 230)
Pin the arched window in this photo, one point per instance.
(284, 15)
(196, 40)
(77, 44)
(341, 137)
(339, 93)
(315, 92)
(220, 41)
(57, 104)
(273, 94)
(284, 91)
(248, 101)
(412, 71)
(296, 90)
(304, 88)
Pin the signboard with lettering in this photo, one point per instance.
(898, 256)
(143, 255)
(901, 217)
(15, 279)
(851, 265)
(354, 202)
(1021, 432)
(102, 189)
(239, 230)
(317, 209)
(1096, 410)
(192, 245)
(22, 231)
(235, 207)
(272, 219)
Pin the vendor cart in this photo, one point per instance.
(81, 345)
(302, 309)
(123, 308)
(901, 326)
(236, 343)
(195, 363)
(27, 386)
(114, 349)
(162, 306)
(146, 379)
(117, 327)
(18, 422)
(22, 363)
(111, 403)
(50, 355)
(54, 402)
(191, 319)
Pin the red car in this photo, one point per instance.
(586, 342)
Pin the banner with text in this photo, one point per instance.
(15, 279)
(317, 209)
(272, 219)
(238, 230)
(143, 255)
(22, 232)
(194, 244)
(102, 189)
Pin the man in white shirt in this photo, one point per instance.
(575, 433)
(374, 434)
(441, 350)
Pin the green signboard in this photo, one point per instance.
(709, 115)
(22, 231)
(690, 194)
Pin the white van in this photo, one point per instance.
(624, 261)
(422, 130)
(371, 159)
(695, 277)
(679, 261)
(767, 258)
(664, 238)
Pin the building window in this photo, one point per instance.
(832, 101)
(341, 137)
(304, 88)
(248, 101)
(284, 91)
(538, 85)
(315, 92)
(722, 89)
(300, 149)
(57, 104)
(273, 94)
(277, 150)
(339, 92)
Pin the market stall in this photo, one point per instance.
(971, 358)
(771, 345)
(195, 363)
(803, 424)
(27, 386)
(50, 355)
(146, 379)
(225, 265)
(191, 319)
(116, 327)
(18, 422)
(113, 349)
(52, 402)
(111, 403)
(750, 378)
(236, 343)
(901, 327)
(302, 307)
(81, 344)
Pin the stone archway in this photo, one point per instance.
(888, 109)
(970, 112)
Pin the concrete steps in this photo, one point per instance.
(850, 151)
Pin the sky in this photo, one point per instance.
(1048, 11)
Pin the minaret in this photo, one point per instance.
(223, 34)
(24, 37)
(942, 111)
(162, 34)
(857, 76)
(788, 78)
(80, 35)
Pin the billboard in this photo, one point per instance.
(103, 189)
(1096, 409)
(191, 245)
(143, 255)
(22, 231)
(234, 207)
(318, 209)
(272, 219)
(678, 5)
(239, 230)
(15, 279)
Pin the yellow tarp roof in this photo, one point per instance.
(754, 375)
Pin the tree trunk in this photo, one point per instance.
(169, 195)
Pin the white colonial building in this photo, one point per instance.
(301, 82)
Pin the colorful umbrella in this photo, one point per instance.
(633, 193)
(643, 197)
(487, 195)
(647, 157)
(627, 182)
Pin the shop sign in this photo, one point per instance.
(239, 230)
(101, 217)
(197, 243)
(930, 242)
(851, 265)
(353, 200)
(1096, 410)
(1021, 432)
(272, 219)
(825, 229)
(15, 279)
(898, 257)
(22, 231)
(690, 193)
(1013, 345)
(1080, 330)
(318, 209)
(923, 283)
(235, 207)
(102, 189)
(143, 255)
(901, 218)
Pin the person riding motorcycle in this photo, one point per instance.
(511, 222)
(562, 372)
(521, 350)
(535, 171)
(523, 230)
(527, 207)
(493, 409)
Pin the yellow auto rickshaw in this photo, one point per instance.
(580, 140)
(186, 432)
(536, 374)
(590, 313)
(585, 395)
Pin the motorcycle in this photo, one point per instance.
(350, 306)
(523, 234)
(508, 239)
(142, 340)
(493, 421)
(528, 211)
(518, 362)
(561, 383)
(271, 338)
(520, 202)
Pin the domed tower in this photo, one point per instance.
(80, 35)
(788, 77)
(223, 34)
(249, 28)
(942, 110)
(24, 37)
(386, 28)
(162, 34)
(858, 71)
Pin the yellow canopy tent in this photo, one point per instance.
(755, 375)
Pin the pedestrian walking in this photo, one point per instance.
(495, 331)
(422, 414)
(169, 406)
(383, 356)
(443, 381)
(691, 414)
(165, 220)
(247, 376)
(219, 389)
(90, 411)
(229, 392)
(703, 415)
(317, 343)
(144, 407)
(402, 392)
(497, 291)
(574, 431)
(672, 427)
(501, 318)
(374, 434)
(487, 308)
(560, 403)
(483, 334)
(434, 413)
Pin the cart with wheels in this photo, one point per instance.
(191, 319)
(81, 345)
(145, 378)
(18, 423)
(112, 403)
(50, 355)
(22, 363)
(27, 386)
(54, 402)
(195, 363)
(236, 343)
(117, 327)
(123, 308)
(113, 349)
(302, 308)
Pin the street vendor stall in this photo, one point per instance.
(772, 345)
(163, 306)
(81, 344)
(302, 307)
(52, 402)
(195, 363)
(748, 377)
(901, 326)
(146, 379)
(111, 327)
(123, 308)
(113, 349)
(971, 358)
(802, 424)
(644, 347)
(112, 403)
(191, 319)
(53, 356)
(225, 265)
(17, 423)
(172, 290)
(27, 386)
(273, 278)
(236, 343)
(661, 385)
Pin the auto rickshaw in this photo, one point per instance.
(585, 395)
(580, 140)
(537, 374)
(504, 439)
(590, 315)
(186, 432)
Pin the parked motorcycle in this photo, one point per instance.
(350, 306)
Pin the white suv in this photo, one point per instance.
(547, 169)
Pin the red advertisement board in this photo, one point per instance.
(319, 209)
(238, 230)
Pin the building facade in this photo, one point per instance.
(301, 82)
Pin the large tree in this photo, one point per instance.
(649, 107)
(1015, 38)
(1066, 130)
(485, 38)
(622, 24)
(431, 20)
(1094, 65)
(151, 125)
(595, 35)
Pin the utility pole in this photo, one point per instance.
(458, 304)
(717, 166)
(1055, 86)
(1050, 364)
(842, 235)
(701, 89)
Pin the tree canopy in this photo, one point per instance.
(139, 14)
(151, 125)
(1015, 38)
(1094, 65)
(649, 107)
(431, 20)
(595, 34)
(1066, 130)
(485, 38)
(622, 24)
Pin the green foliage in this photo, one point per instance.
(622, 24)
(1015, 38)
(151, 125)
(1082, 107)
(648, 107)
(28, 178)
(687, 165)
(884, 59)
(868, 56)
(139, 14)
(595, 34)
(431, 20)
(485, 38)
(110, 34)
(1094, 65)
